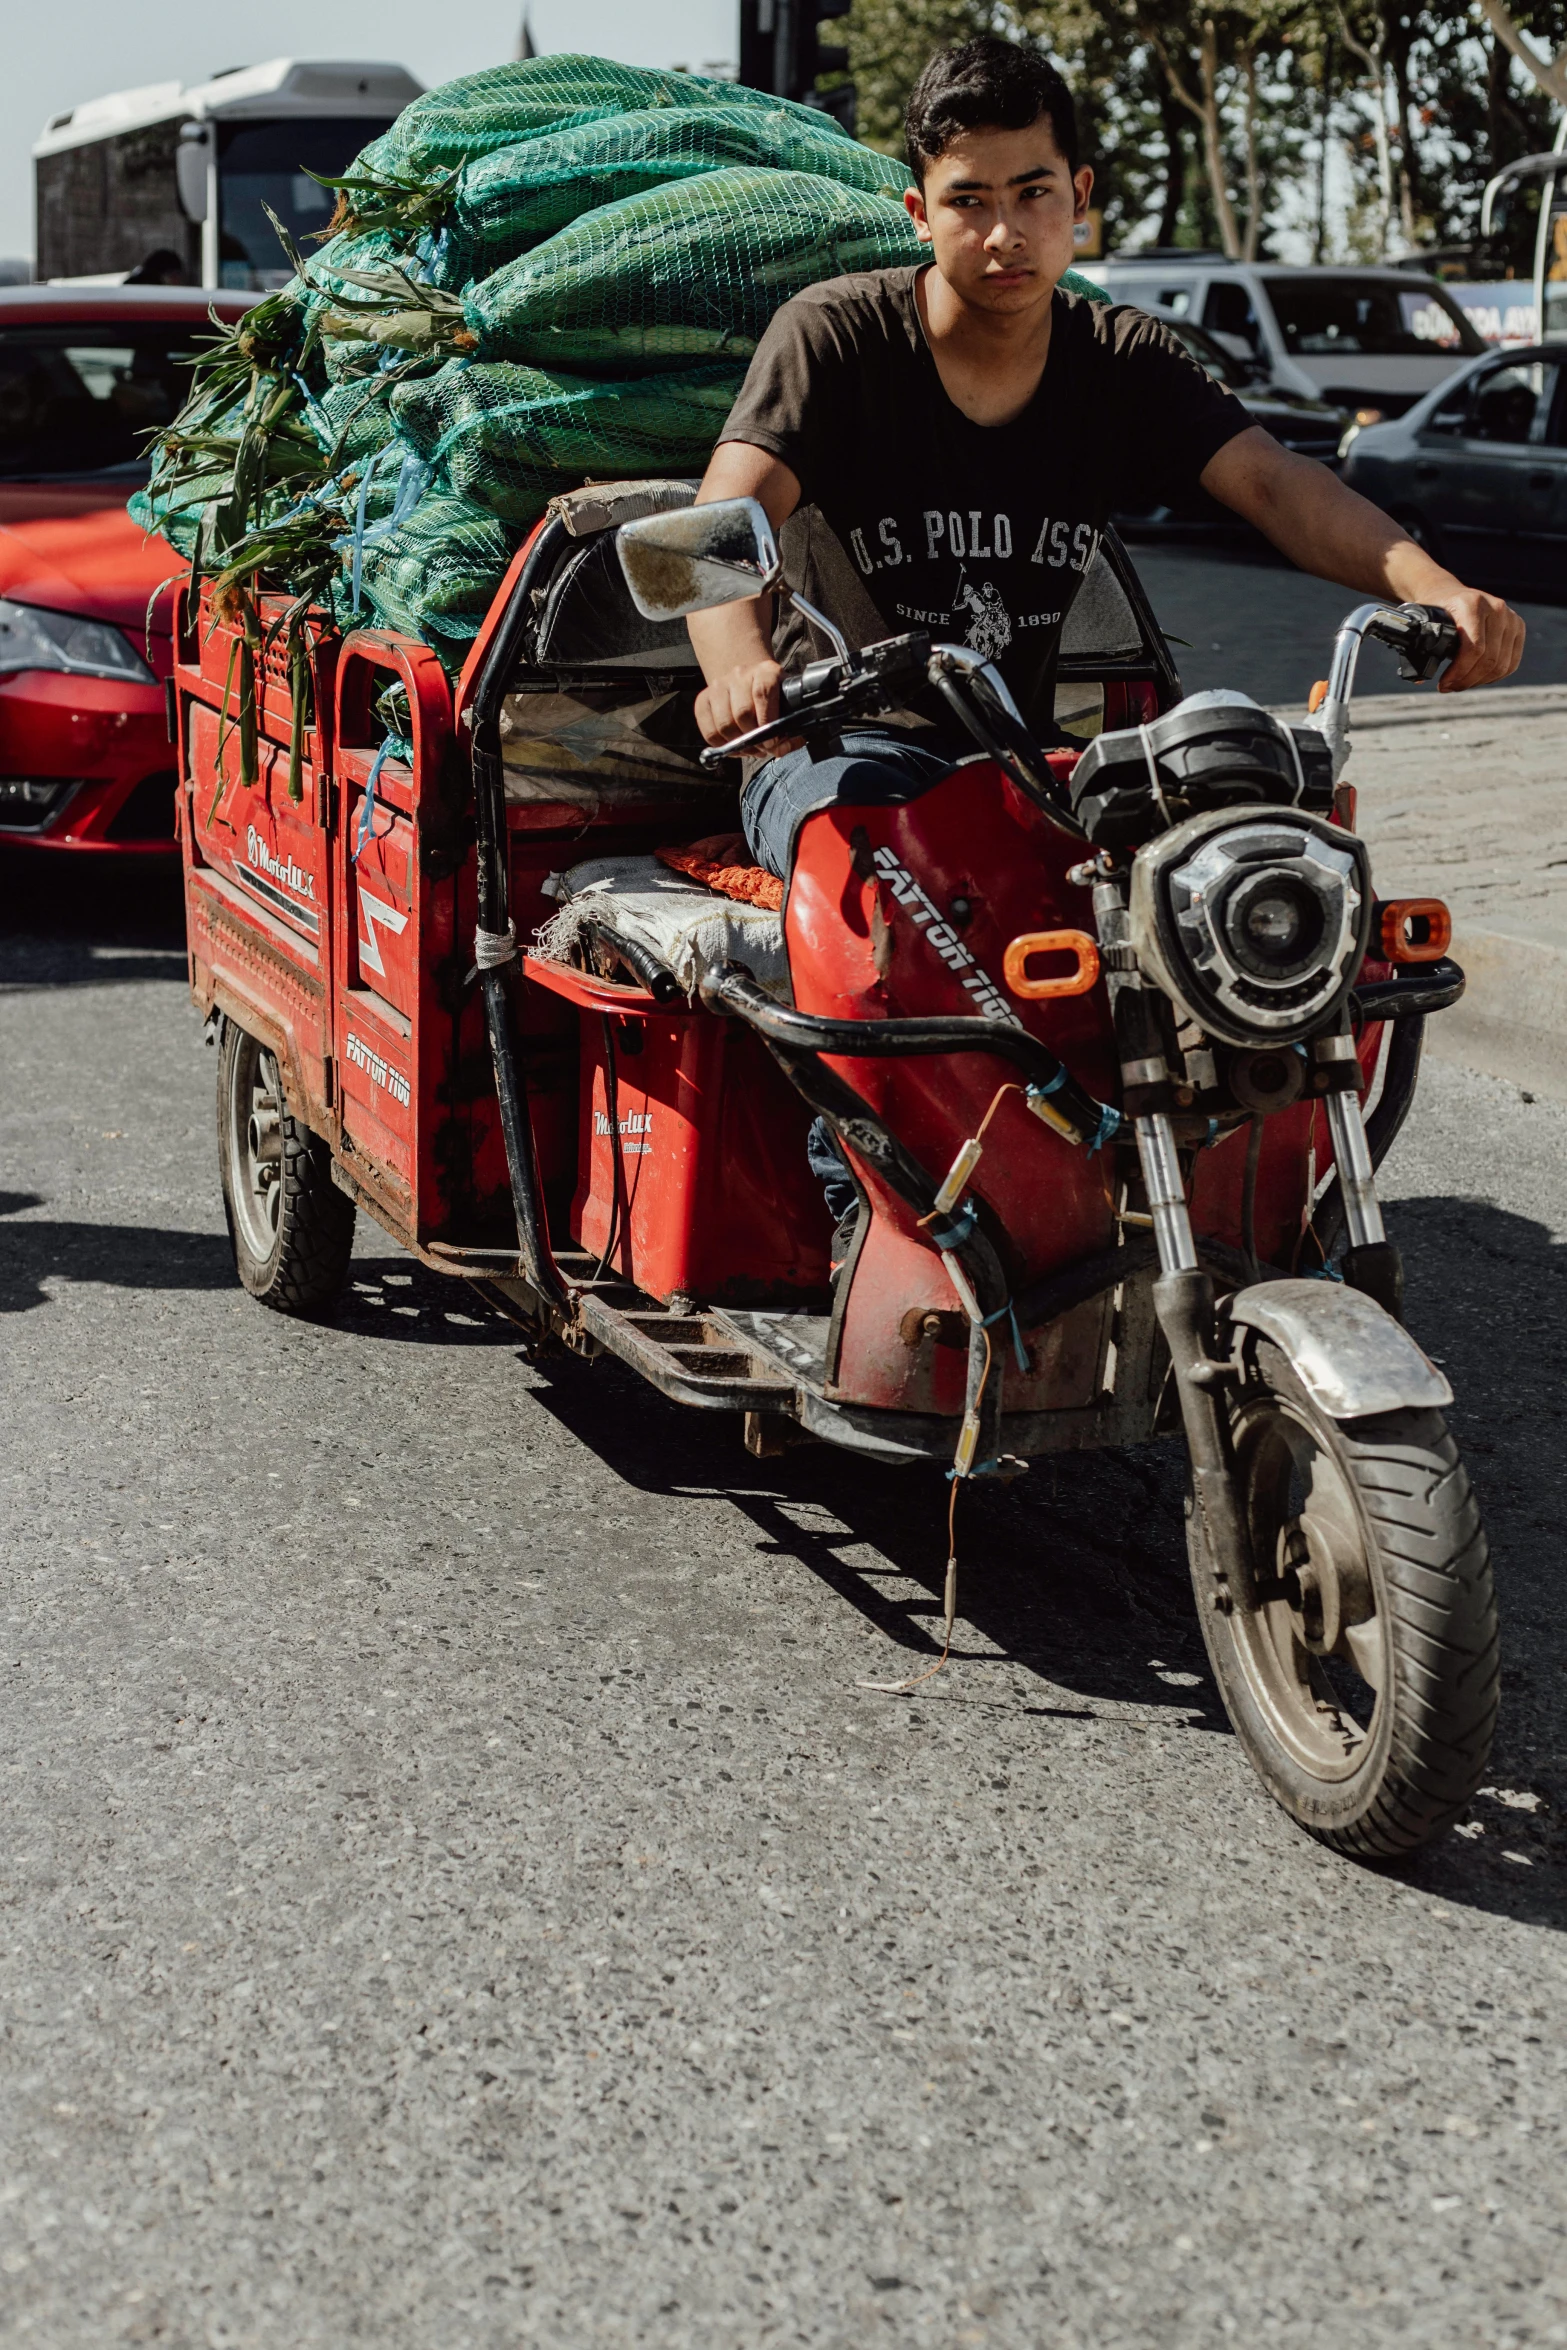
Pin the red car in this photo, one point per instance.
(86, 372)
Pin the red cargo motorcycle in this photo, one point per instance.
(1092, 1029)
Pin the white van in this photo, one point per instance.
(1361, 338)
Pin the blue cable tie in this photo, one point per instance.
(1053, 1084)
(395, 746)
(1325, 1273)
(952, 1235)
(318, 416)
(357, 536)
(1018, 1348)
(1109, 1127)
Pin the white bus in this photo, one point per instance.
(167, 184)
(1550, 242)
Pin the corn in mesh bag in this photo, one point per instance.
(436, 575)
(515, 197)
(448, 127)
(508, 438)
(689, 271)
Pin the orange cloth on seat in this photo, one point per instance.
(721, 864)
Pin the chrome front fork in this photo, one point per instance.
(1172, 1225)
(1357, 1176)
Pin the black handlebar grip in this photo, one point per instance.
(1424, 636)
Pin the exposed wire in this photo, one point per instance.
(1249, 1199)
(949, 1599)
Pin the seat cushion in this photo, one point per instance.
(689, 928)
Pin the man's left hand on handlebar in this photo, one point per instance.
(1328, 528)
(1490, 634)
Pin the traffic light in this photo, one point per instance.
(781, 50)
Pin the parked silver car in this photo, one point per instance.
(1477, 471)
(1361, 339)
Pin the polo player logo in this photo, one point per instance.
(990, 623)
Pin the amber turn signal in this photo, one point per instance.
(1051, 942)
(1414, 930)
(1317, 696)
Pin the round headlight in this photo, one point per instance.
(1253, 921)
(1274, 925)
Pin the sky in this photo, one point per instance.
(57, 56)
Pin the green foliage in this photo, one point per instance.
(1457, 106)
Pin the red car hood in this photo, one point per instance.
(72, 549)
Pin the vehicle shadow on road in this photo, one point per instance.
(1077, 1573)
(34, 1250)
(70, 919)
(1487, 1293)
(390, 1298)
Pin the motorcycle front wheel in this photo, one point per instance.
(1362, 1682)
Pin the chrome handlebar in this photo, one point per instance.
(1422, 633)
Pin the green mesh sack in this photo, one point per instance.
(356, 418)
(436, 575)
(515, 197)
(331, 295)
(448, 126)
(509, 438)
(177, 521)
(687, 272)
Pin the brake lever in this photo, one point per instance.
(789, 724)
(865, 691)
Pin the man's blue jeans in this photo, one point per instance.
(873, 767)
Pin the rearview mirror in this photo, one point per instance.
(190, 169)
(698, 558)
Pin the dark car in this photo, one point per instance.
(1313, 428)
(1477, 470)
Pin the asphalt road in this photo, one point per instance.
(1239, 615)
(453, 1894)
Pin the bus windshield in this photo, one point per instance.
(261, 163)
(81, 398)
(1326, 317)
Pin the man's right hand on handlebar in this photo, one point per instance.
(739, 699)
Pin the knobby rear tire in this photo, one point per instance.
(292, 1230)
(1394, 1486)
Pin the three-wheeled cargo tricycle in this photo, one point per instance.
(1109, 1038)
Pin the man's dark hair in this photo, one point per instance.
(987, 84)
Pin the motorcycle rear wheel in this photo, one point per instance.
(292, 1229)
(1363, 1684)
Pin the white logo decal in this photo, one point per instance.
(944, 939)
(282, 870)
(639, 1122)
(378, 911)
(364, 1057)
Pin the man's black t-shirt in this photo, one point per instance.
(980, 534)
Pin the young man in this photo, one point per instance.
(965, 428)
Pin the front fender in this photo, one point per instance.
(1351, 1357)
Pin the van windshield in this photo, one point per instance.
(270, 163)
(82, 396)
(1325, 317)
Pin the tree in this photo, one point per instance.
(1550, 72)
(1369, 46)
(889, 42)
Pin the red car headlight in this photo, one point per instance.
(33, 638)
